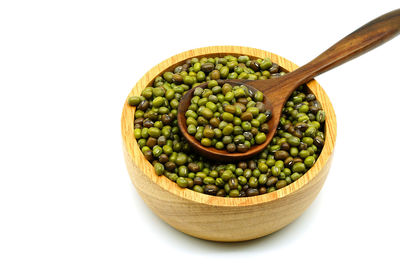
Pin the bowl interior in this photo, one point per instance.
(168, 65)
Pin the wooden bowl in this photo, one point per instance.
(218, 218)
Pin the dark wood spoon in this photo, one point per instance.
(278, 90)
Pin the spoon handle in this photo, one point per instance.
(367, 37)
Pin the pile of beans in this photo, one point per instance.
(293, 150)
(231, 118)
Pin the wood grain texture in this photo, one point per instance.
(362, 40)
(217, 218)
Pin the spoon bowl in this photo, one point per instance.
(223, 155)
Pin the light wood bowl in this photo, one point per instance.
(218, 218)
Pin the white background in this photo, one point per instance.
(66, 68)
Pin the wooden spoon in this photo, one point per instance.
(278, 90)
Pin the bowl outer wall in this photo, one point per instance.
(216, 218)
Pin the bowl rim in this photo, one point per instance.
(131, 146)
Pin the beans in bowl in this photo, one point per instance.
(292, 151)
